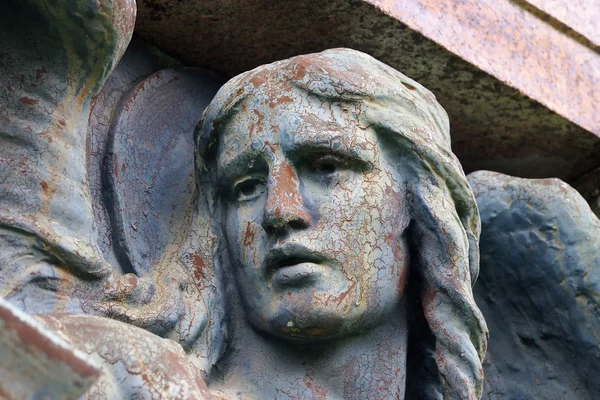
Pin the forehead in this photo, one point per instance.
(287, 119)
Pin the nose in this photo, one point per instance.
(284, 208)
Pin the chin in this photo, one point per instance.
(312, 324)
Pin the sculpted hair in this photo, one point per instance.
(447, 332)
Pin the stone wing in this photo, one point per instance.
(151, 217)
(539, 288)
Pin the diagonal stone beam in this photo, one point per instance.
(522, 96)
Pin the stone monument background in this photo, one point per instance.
(522, 115)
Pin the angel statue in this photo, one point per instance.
(330, 250)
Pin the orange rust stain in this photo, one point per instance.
(259, 78)
(82, 96)
(45, 135)
(272, 147)
(285, 194)
(116, 165)
(402, 281)
(258, 125)
(40, 72)
(305, 63)
(318, 391)
(28, 100)
(342, 296)
(48, 190)
(238, 94)
(249, 235)
(137, 91)
(67, 285)
(199, 265)
(299, 68)
(399, 255)
(132, 279)
(280, 100)
(130, 101)
(317, 331)
(123, 167)
(428, 300)
(197, 260)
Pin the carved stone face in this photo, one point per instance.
(315, 217)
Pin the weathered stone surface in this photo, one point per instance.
(494, 126)
(539, 288)
(514, 42)
(154, 219)
(35, 363)
(151, 172)
(581, 16)
(55, 59)
(50, 71)
(139, 61)
(346, 219)
(325, 193)
(135, 364)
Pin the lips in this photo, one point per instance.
(289, 255)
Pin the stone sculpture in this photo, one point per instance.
(55, 57)
(351, 221)
(345, 215)
(317, 239)
(539, 286)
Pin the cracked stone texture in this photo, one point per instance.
(139, 61)
(494, 126)
(141, 171)
(71, 243)
(36, 363)
(135, 363)
(54, 206)
(345, 215)
(539, 288)
(47, 83)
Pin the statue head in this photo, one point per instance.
(341, 203)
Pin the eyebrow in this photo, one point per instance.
(304, 149)
(302, 146)
(328, 144)
(226, 169)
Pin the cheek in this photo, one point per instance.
(364, 218)
(245, 238)
(344, 225)
(370, 219)
(402, 260)
(395, 222)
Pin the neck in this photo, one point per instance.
(370, 364)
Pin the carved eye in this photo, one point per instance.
(47, 283)
(328, 164)
(326, 167)
(249, 189)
